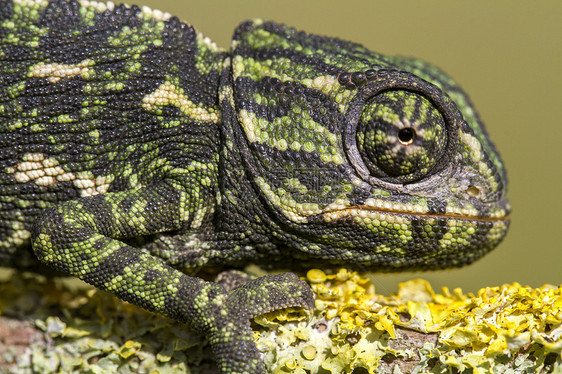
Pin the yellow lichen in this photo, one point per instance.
(354, 327)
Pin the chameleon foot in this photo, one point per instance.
(230, 334)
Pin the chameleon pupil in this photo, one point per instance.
(406, 136)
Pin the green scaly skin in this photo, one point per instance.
(133, 149)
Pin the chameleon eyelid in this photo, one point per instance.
(399, 80)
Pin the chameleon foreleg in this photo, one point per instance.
(81, 237)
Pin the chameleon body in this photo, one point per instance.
(134, 150)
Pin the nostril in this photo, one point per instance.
(473, 191)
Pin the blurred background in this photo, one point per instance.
(507, 54)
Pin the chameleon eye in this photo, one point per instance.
(400, 136)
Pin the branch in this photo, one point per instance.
(54, 325)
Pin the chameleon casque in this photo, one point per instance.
(134, 150)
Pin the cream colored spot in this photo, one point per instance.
(168, 94)
(99, 6)
(396, 207)
(90, 185)
(468, 210)
(36, 168)
(324, 83)
(205, 40)
(158, 15)
(247, 119)
(338, 204)
(362, 215)
(47, 172)
(55, 72)
(31, 3)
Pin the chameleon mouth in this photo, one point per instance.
(403, 216)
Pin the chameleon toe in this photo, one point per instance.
(269, 293)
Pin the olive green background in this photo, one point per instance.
(508, 57)
(506, 54)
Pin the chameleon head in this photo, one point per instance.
(364, 159)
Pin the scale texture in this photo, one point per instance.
(133, 151)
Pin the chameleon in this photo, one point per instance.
(134, 151)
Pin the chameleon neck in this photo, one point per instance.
(261, 235)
